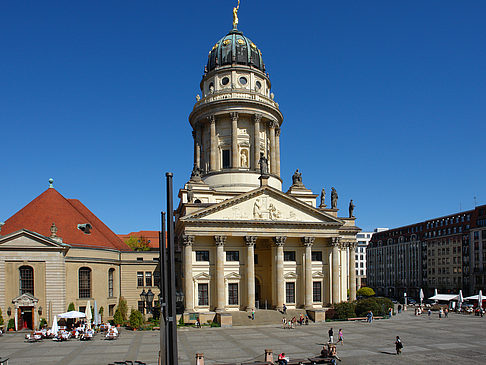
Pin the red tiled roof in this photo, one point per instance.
(152, 236)
(51, 207)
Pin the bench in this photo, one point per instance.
(363, 318)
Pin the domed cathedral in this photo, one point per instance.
(243, 243)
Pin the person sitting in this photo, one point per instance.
(282, 359)
(324, 352)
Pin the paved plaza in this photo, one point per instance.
(455, 340)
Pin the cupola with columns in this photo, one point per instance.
(236, 119)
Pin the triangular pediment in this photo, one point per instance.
(202, 276)
(25, 239)
(290, 275)
(264, 204)
(318, 275)
(25, 300)
(233, 276)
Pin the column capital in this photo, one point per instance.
(272, 124)
(277, 132)
(250, 240)
(234, 115)
(280, 240)
(308, 241)
(220, 240)
(212, 119)
(187, 240)
(257, 117)
(335, 241)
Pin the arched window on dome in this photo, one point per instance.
(26, 276)
(84, 282)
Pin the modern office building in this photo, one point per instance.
(364, 239)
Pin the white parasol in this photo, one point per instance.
(435, 292)
(96, 320)
(480, 299)
(460, 299)
(72, 314)
(421, 295)
(55, 327)
(89, 316)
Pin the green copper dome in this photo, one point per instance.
(235, 49)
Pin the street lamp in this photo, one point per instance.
(143, 295)
(149, 298)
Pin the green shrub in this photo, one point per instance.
(101, 313)
(1, 317)
(71, 307)
(345, 310)
(384, 304)
(365, 292)
(11, 324)
(181, 320)
(136, 319)
(117, 318)
(42, 322)
(123, 307)
(215, 324)
(365, 305)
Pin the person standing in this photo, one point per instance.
(441, 311)
(284, 309)
(429, 312)
(446, 312)
(331, 335)
(253, 315)
(340, 337)
(398, 345)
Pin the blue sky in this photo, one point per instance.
(384, 100)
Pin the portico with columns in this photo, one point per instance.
(244, 243)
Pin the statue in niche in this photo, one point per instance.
(297, 178)
(244, 158)
(323, 198)
(263, 164)
(334, 198)
(190, 194)
(351, 208)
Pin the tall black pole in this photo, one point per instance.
(163, 293)
(171, 302)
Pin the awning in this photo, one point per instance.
(474, 297)
(445, 297)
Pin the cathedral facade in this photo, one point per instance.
(243, 242)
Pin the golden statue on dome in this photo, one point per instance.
(235, 16)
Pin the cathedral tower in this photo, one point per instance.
(236, 120)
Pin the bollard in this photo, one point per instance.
(199, 359)
(269, 356)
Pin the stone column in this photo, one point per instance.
(235, 161)
(352, 271)
(250, 272)
(256, 142)
(335, 269)
(279, 266)
(214, 144)
(188, 241)
(198, 145)
(220, 241)
(308, 298)
(277, 149)
(273, 160)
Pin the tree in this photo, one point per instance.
(101, 312)
(365, 305)
(136, 319)
(1, 317)
(71, 307)
(365, 292)
(123, 308)
(138, 243)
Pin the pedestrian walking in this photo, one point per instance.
(331, 335)
(398, 345)
(429, 312)
(446, 312)
(253, 315)
(340, 336)
(284, 309)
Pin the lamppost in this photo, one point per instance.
(149, 298)
(143, 295)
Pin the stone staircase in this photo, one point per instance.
(263, 316)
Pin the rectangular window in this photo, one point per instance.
(232, 255)
(290, 292)
(148, 278)
(226, 159)
(82, 309)
(233, 294)
(202, 255)
(289, 255)
(141, 306)
(317, 291)
(110, 282)
(111, 310)
(140, 278)
(202, 294)
(317, 256)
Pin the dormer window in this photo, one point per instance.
(86, 228)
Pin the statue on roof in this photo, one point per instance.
(351, 208)
(263, 165)
(297, 178)
(323, 198)
(334, 198)
(196, 173)
(235, 15)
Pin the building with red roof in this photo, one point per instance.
(55, 251)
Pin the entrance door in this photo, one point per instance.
(26, 318)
